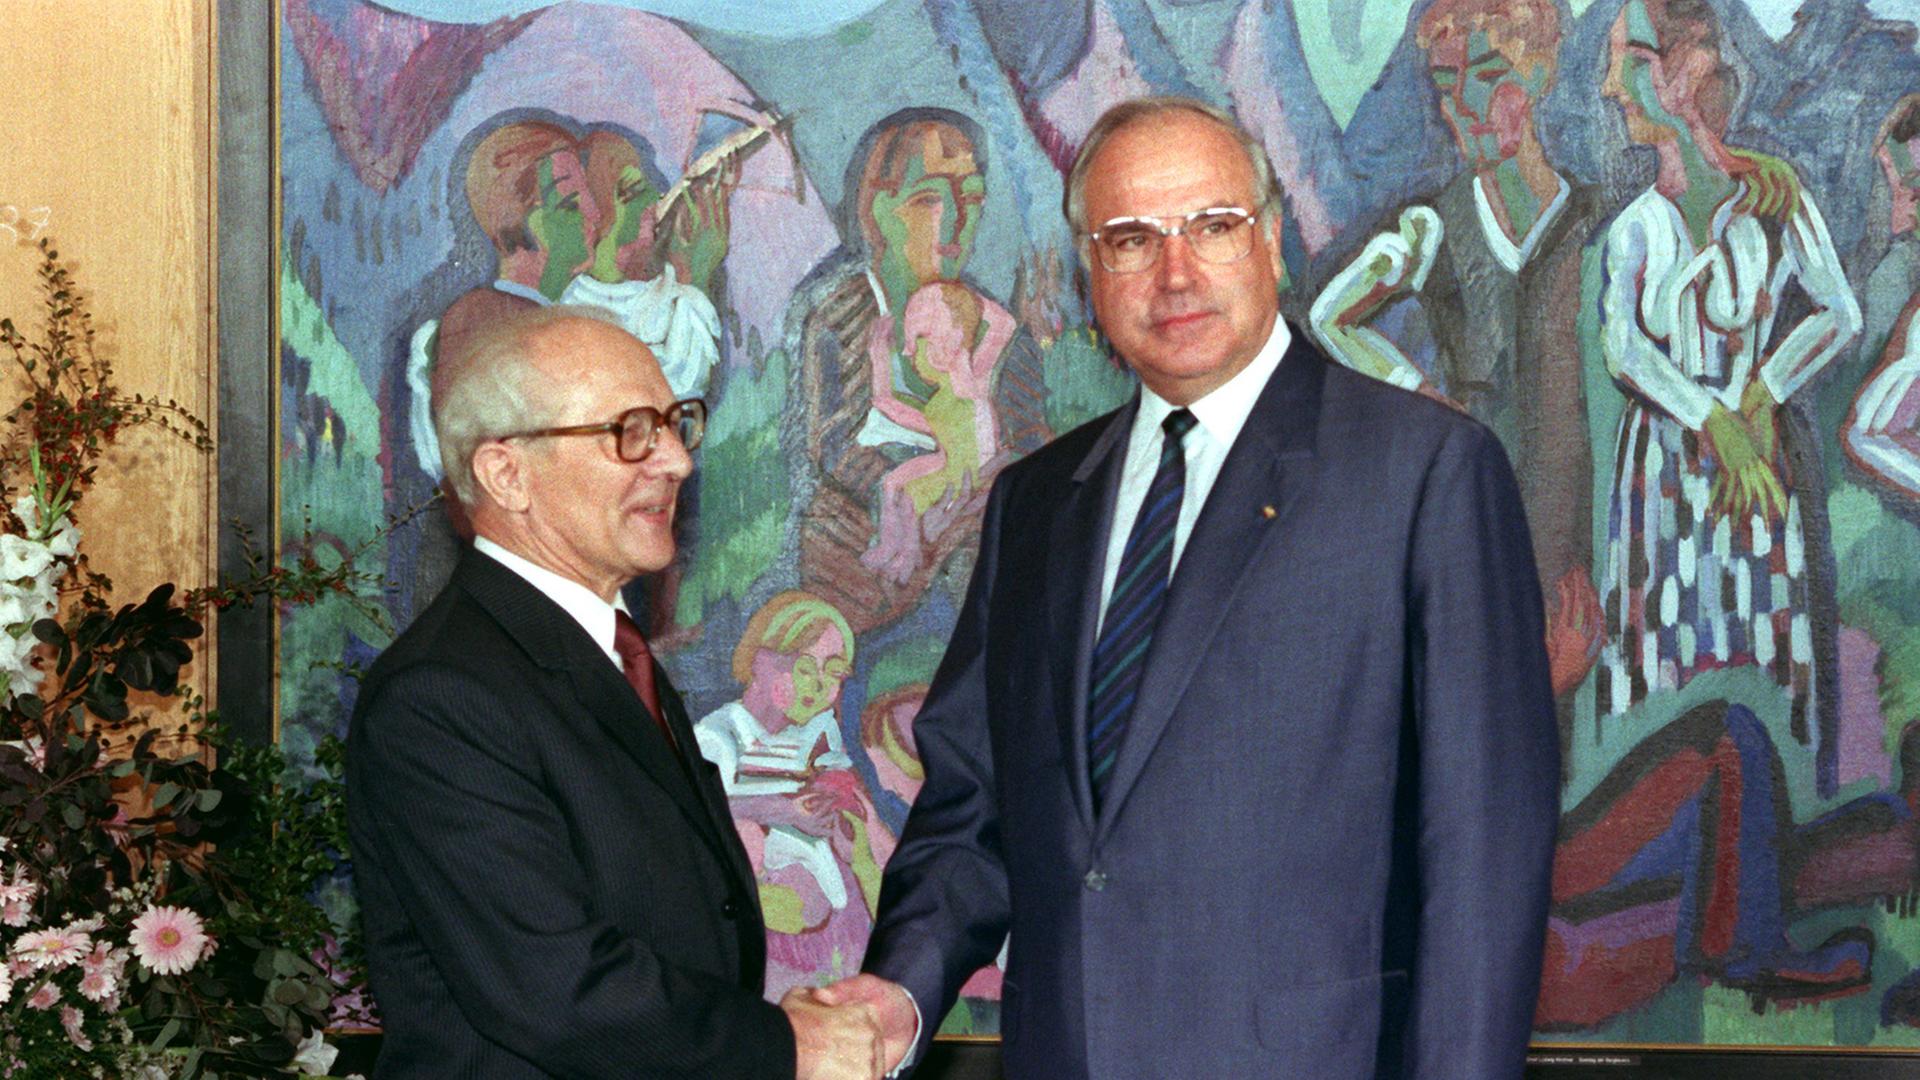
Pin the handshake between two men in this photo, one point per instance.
(861, 1027)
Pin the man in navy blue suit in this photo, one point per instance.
(1244, 731)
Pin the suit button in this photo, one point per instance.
(1096, 880)
(730, 908)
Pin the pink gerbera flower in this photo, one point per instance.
(97, 985)
(16, 912)
(44, 996)
(52, 948)
(18, 889)
(71, 1019)
(6, 984)
(99, 959)
(168, 940)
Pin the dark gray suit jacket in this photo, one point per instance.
(1325, 848)
(546, 891)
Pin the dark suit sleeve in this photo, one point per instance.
(450, 801)
(1488, 766)
(944, 906)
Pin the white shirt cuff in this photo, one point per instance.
(919, 1025)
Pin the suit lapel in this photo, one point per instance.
(1263, 471)
(555, 642)
(1076, 559)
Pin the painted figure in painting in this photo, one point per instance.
(804, 816)
(526, 188)
(1882, 432)
(1490, 264)
(1686, 859)
(626, 276)
(951, 342)
(1706, 563)
(575, 219)
(870, 402)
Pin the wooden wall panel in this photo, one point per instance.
(105, 122)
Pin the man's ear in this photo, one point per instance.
(500, 470)
(1274, 252)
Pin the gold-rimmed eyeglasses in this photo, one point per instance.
(636, 430)
(1218, 234)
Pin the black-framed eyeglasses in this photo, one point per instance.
(1218, 234)
(636, 430)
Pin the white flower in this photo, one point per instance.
(6, 984)
(22, 558)
(314, 1057)
(65, 541)
(16, 606)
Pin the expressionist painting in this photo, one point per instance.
(1665, 249)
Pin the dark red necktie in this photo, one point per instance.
(637, 661)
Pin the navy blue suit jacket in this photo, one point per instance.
(546, 891)
(1325, 848)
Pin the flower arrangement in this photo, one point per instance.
(155, 876)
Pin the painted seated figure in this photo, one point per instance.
(1685, 860)
(803, 814)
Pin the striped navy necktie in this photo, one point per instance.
(1139, 590)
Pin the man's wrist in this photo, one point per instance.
(919, 1028)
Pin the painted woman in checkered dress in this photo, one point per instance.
(1705, 563)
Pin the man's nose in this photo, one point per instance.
(670, 456)
(1177, 261)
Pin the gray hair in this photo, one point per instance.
(490, 388)
(1265, 190)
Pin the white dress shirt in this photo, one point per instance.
(1221, 415)
(594, 615)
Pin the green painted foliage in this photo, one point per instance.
(1081, 379)
(744, 499)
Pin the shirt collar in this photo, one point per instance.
(594, 615)
(1223, 411)
(525, 292)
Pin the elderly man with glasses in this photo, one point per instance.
(1244, 732)
(550, 881)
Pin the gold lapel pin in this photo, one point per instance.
(1268, 512)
